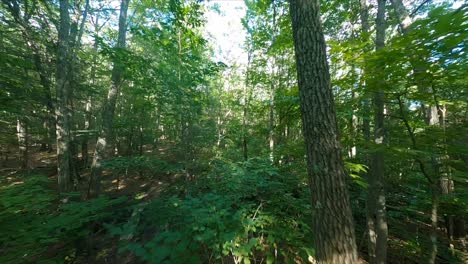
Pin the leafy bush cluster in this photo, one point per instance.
(241, 211)
(33, 218)
(143, 165)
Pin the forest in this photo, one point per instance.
(339, 137)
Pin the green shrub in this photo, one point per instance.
(244, 211)
(32, 218)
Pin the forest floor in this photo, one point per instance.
(144, 189)
(130, 184)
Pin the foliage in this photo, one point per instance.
(34, 218)
(141, 165)
(237, 210)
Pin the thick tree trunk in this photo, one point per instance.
(22, 132)
(333, 222)
(105, 144)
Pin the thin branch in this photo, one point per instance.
(417, 8)
(413, 141)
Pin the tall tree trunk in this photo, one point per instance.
(376, 197)
(245, 110)
(22, 132)
(364, 16)
(434, 217)
(333, 221)
(88, 114)
(63, 94)
(87, 126)
(105, 143)
(370, 204)
(141, 134)
(271, 133)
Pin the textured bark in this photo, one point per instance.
(333, 223)
(63, 94)
(105, 143)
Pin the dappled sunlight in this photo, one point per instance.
(233, 132)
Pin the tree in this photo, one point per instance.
(63, 97)
(333, 221)
(377, 224)
(105, 145)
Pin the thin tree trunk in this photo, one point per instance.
(87, 126)
(376, 197)
(333, 222)
(271, 134)
(353, 124)
(364, 16)
(22, 132)
(434, 217)
(245, 110)
(88, 114)
(430, 112)
(141, 140)
(105, 143)
(63, 94)
(370, 202)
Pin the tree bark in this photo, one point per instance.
(63, 94)
(105, 143)
(376, 197)
(333, 222)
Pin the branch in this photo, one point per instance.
(413, 141)
(419, 7)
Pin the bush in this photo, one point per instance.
(33, 218)
(243, 211)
